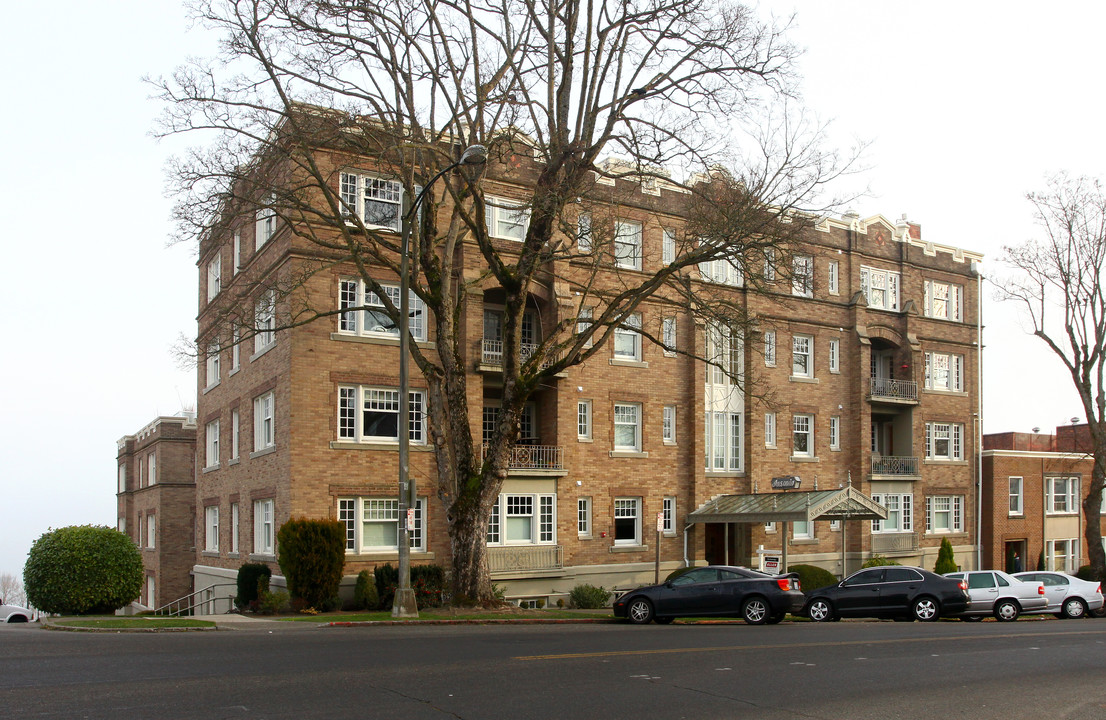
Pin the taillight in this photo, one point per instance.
(1040, 589)
(788, 583)
(964, 585)
(1099, 590)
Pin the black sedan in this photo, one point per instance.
(714, 591)
(889, 592)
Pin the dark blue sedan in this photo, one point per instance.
(889, 592)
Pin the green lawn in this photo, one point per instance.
(133, 623)
(448, 614)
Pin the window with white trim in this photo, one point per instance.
(833, 279)
(377, 201)
(802, 435)
(627, 245)
(583, 232)
(834, 355)
(212, 365)
(505, 218)
(264, 422)
(880, 288)
(899, 513)
(214, 276)
(122, 478)
(523, 519)
(627, 427)
(583, 420)
(944, 441)
(583, 516)
(627, 338)
(1016, 498)
(770, 430)
(265, 227)
(835, 432)
(945, 514)
(802, 530)
(265, 321)
(151, 530)
(1060, 555)
(802, 356)
(668, 507)
(236, 253)
(770, 348)
(211, 528)
(234, 437)
(668, 425)
(235, 347)
(722, 440)
(373, 318)
(944, 371)
(371, 414)
(722, 271)
(944, 300)
(583, 323)
(668, 246)
(211, 458)
(1061, 495)
(724, 355)
(668, 336)
(627, 521)
(234, 527)
(264, 535)
(151, 468)
(802, 276)
(373, 524)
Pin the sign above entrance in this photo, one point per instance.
(788, 482)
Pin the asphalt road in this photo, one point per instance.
(1039, 669)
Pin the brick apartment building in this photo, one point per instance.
(1033, 490)
(157, 502)
(867, 356)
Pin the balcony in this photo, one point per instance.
(894, 465)
(525, 456)
(891, 390)
(894, 542)
(524, 559)
(491, 355)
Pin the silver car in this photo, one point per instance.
(15, 614)
(993, 592)
(1068, 596)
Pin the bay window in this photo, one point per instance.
(899, 513)
(880, 288)
(370, 414)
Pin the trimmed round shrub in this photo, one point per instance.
(812, 577)
(83, 570)
(589, 597)
(365, 596)
(312, 555)
(248, 576)
(879, 561)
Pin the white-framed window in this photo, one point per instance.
(834, 355)
(802, 356)
(944, 371)
(214, 276)
(627, 338)
(627, 244)
(527, 422)
(802, 435)
(722, 440)
(668, 336)
(627, 521)
(236, 253)
(944, 441)
(770, 430)
(151, 468)
(235, 347)
(505, 218)
(371, 414)
(264, 537)
(833, 278)
(373, 524)
(770, 527)
(769, 264)
(770, 348)
(583, 420)
(1060, 555)
(668, 425)
(945, 514)
(583, 323)
(835, 525)
(265, 321)
(1061, 495)
(583, 232)
(373, 319)
(880, 288)
(151, 530)
(802, 276)
(668, 507)
(627, 427)
(944, 300)
(583, 516)
(234, 436)
(122, 478)
(835, 432)
(265, 227)
(212, 365)
(211, 458)
(724, 355)
(264, 422)
(802, 530)
(211, 528)
(234, 527)
(523, 519)
(376, 200)
(668, 246)
(722, 271)
(900, 516)
(1017, 505)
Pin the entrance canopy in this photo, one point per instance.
(847, 503)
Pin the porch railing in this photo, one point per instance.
(894, 542)
(534, 457)
(891, 389)
(492, 353)
(894, 465)
(524, 558)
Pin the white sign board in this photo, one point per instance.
(770, 564)
(410, 519)
(660, 521)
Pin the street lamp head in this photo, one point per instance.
(474, 155)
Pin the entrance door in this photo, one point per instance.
(1015, 560)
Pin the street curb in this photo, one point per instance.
(71, 628)
(489, 621)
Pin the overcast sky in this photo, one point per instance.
(967, 106)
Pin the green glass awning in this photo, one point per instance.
(846, 503)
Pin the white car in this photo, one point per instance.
(993, 592)
(15, 614)
(1068, 596)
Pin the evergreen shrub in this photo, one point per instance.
(312, 555)
(812, 577)
(248, 576)
(589, 597)
(82, 570)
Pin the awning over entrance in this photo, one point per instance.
(847, 503)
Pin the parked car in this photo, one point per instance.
(15, 614)
(714, 591)
(1068, 596)
(896, 591)
(993, 592)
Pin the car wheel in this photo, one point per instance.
(755, 611)
(1006, 611)
(639, 611)
(925, 609)
(663, 620)
(820, 610)
(1074, 608)
(776, 619)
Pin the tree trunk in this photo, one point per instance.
(468, 538)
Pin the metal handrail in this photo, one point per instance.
(188, 604)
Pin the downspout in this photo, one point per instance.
(979, 420)
(687, 563)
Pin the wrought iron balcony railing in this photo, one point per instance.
(894, 465)
(524, 558)
(534, 457)
(890, 389)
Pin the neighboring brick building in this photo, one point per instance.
(1034, 486)
(156, 504)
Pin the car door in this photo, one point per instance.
(859, 594)
(983, 590)
(1056, 589)
(900, 586)
(693, 593)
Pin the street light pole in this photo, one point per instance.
(404, 605)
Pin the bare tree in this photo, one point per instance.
(11, 589)
(1060, 284)
(573, 100)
